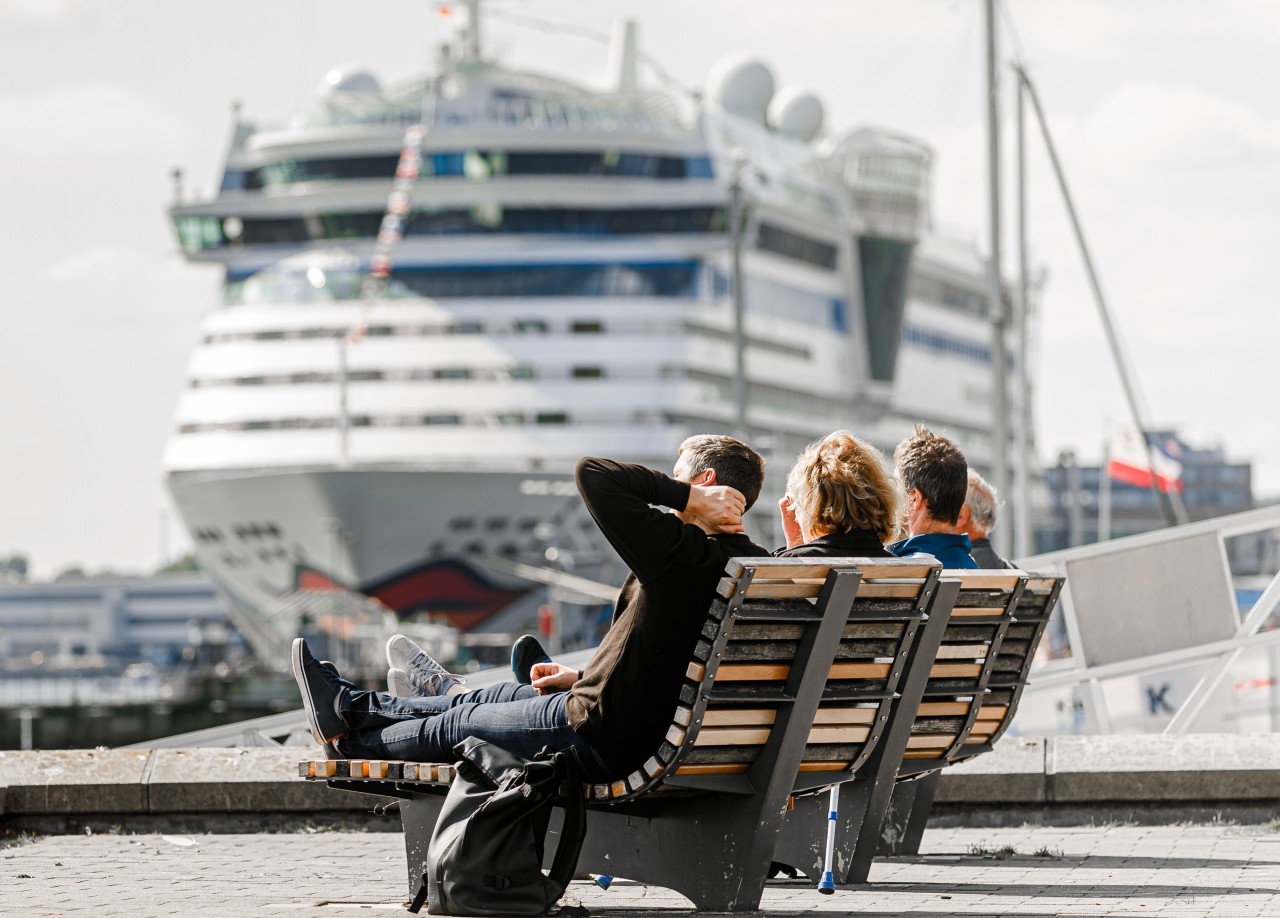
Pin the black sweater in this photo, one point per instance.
(854, 543)
(625, 700)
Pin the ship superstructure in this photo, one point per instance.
(564, 286)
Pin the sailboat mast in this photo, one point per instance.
(995, 300)
(1171, 502)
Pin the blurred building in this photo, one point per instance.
(107, 624)
(1212, 486)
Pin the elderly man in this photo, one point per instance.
(934, 476)
(978, 518)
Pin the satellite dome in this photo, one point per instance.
(741, 86)
(796, 112)
(349, 78)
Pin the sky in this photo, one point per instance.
(1164, 112)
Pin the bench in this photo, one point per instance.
(1002, 689)
(808, 673)
(950, 713)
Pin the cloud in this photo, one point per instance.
(1147, 123)
(39, 12)
(83, 120)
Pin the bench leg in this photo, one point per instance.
(418, 817)
(715, 849)
(908, 813)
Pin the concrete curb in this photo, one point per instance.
(1069, 771)
(163, 781)
(1086, 770)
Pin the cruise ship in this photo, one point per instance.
(561, 270)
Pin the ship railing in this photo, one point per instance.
(1151, 603)
(645, 113)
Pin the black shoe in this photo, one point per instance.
(321, 687)
(345, 683)
(525, 652)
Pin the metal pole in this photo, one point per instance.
(1021, 322)
(1174, 513)
(1104, 495)
(995, 298)
(344, 458)
(739, 305)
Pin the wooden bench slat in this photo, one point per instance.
(738, 717)
(841, 734)
(962, 651)
(931, 740)
(727, 769)
(975, 611)
(787, 568)
(776, 672)
(943, 708)
(993, 712)
(955, 670)
(732, 736)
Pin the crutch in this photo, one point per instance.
(828, 885)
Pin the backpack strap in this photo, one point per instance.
(575, 821)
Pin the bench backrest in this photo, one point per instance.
(842, 630)
(966, 659)
(1013, 659)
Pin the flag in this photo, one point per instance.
(1130, 461)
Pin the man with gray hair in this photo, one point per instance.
(977, 519)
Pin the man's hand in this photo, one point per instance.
(719, 506)
(790, 528)
(549, 678)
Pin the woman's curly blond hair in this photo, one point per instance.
(840, 483)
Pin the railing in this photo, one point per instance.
(1154, 602)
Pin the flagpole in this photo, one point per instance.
(1104, 494)
(1173, 511)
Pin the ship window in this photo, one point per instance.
(454, 164)
(364, 375)
(531, 327)
(698, 167)
(196, 236)
(508, 418)
(771, 238)
(196, 233)
(586, 327)
(588, 373)
(523, 373)
(678, 279)
(528, 524)
(468, 328)
(452, 373)
(474, 548)
(552, 417)
(461, 523)
(495, 523)
(445, 419)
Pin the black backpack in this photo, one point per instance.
(485, 855)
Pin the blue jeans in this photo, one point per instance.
(425, 729)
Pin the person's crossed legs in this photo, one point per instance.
(351, 722)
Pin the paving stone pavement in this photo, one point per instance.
(1190, 870)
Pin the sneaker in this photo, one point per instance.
(525, 652)
(321, 687)
(345, 683)
(399, 684)
(425, 675)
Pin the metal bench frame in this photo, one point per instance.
(712, 837)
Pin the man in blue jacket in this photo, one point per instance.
(935, 477)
